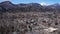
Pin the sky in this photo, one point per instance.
(42, 2)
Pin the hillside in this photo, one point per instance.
(31, 18)
(7, 6)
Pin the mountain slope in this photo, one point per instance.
(7, 6)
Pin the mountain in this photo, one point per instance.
(7, 6)
(55, 7)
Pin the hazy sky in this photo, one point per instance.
(33, 1)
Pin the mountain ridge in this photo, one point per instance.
(10, 7)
